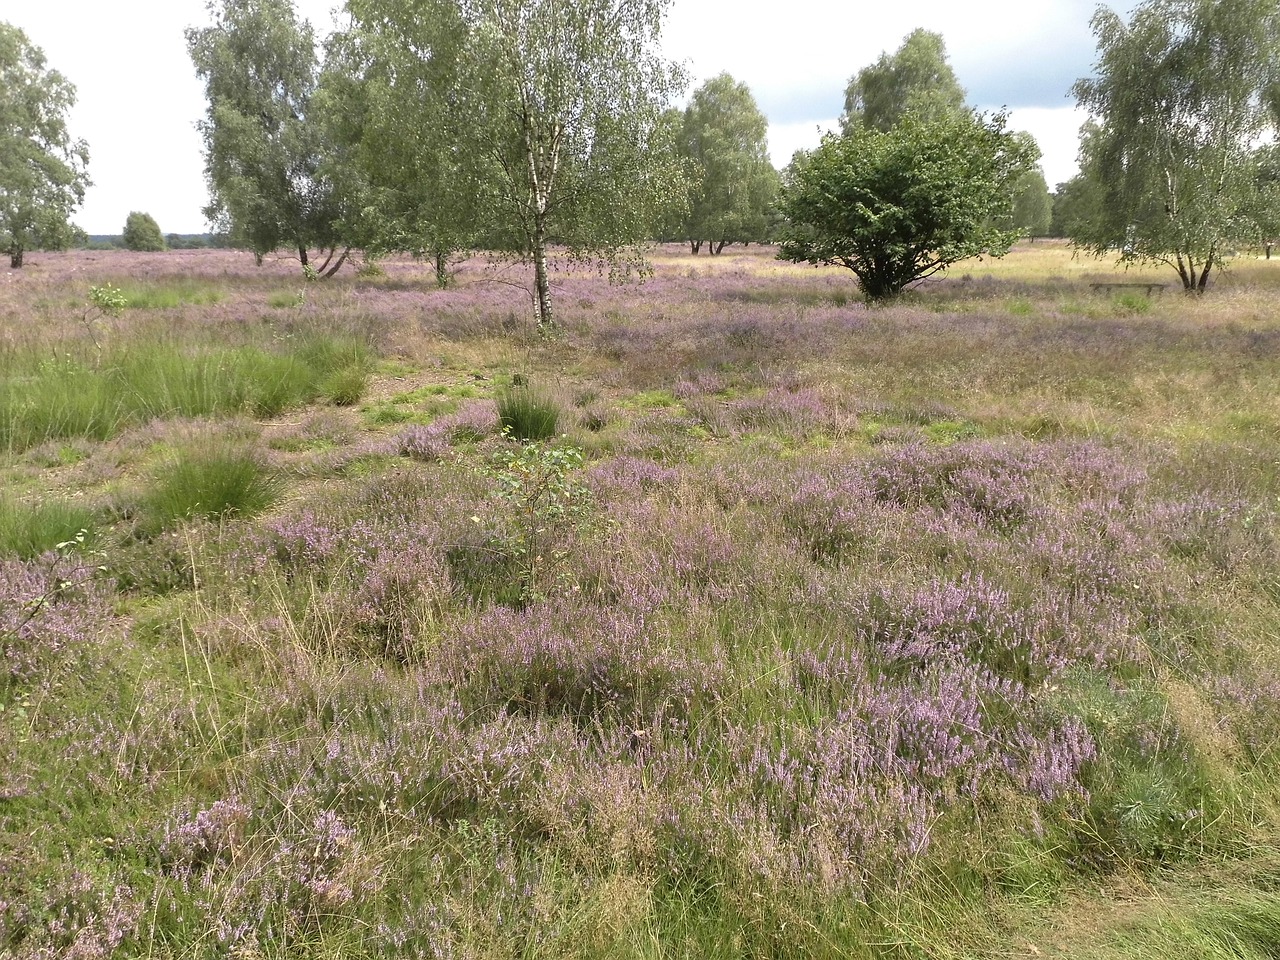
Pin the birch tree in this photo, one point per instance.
(1180, 103)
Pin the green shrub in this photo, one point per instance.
(141, 232)
(526, 413)
(222, 480)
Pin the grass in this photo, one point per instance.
(944, 629)
(28, 530)
(215, 482)
(527, 412)
(95, 397)
(170, 295)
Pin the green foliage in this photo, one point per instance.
(390, 83)
(211, 482)
(543, 500)
(42, 170)
(1178, 99)
(543, 124)
(726, 138)
(1076, 204)
(141, 232)
(917, 79)
(273, 171)
(527, 413)
(898, 206)
(1032, 205)
(28, 530)
(108, 299)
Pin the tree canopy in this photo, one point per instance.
(1180, 102)
(42, 169)
(141, 232)
(916, 77)
(269, 162)
(518, 124)
(726, 138)
(391, 85)
(897, 206)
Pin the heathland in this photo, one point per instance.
(358, 618)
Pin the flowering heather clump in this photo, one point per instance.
(472, 423)
(578, 659)
(78, 918)
(627, 477)
(215, 835)
(52, 613)
(367, 586)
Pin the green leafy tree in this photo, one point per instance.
(897, 206)
(1032, 205)
(917, 78)
(1180, 100)
(42, 170)
(1268, 168)
(269, 157)
(726, 138)
(141, 232)
(564, 106)
(392, 82)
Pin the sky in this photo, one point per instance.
(139, 98)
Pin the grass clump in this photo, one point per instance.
(169, 296)
(28, 530)
(141, 381)
(216, 482)
(527, 413)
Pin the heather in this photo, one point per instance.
(812, 630)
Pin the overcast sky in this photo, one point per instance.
(139, 97)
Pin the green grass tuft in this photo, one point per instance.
(527, 413)
(216, 482)
(28, 530)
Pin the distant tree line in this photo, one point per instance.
(542, 132)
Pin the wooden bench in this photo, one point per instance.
(1148, 288)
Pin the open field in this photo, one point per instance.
(944, 629)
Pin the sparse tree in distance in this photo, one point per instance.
(897, 206)
(1268, 167)
(141, 232)
(1032, 205)
(541, 126)
(726, 138)
(917, 77)
(268, 161)
(42, 170)
(1180, 101)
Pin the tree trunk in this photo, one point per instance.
(302, 255)
(1269, 246)
(716, 248)
(542, 285)
(337, 266)
(325, 266)
(15, 258)
(442, 268)
(695, 246)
